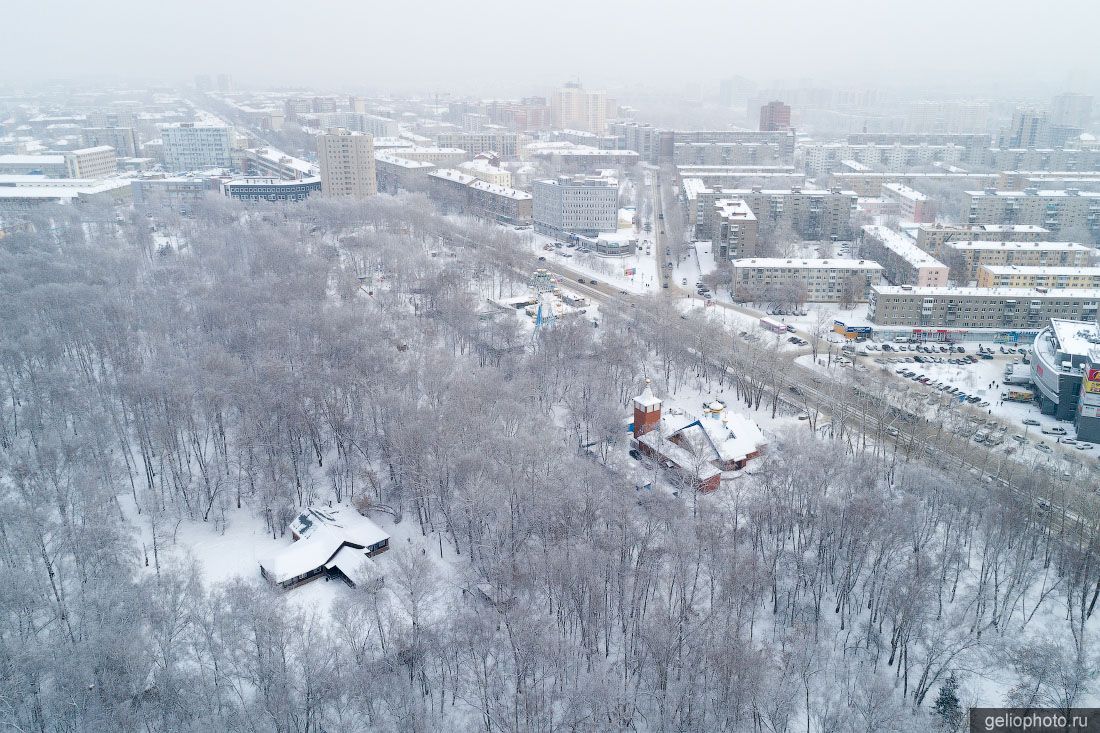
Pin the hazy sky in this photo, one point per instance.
(512, 46)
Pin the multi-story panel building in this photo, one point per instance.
(965, 257)
(1017, 309)
(502, 142)
(576, 205)
(347, 162)
(823, 158)
(1043, 159)
(1054, 209)
(743, 176)
(1019, 180)
(933, 237)
(643, 139)
(400, 174)
(271, 189)
(97, 162)
(436, 155)
(188, 147)
(734, 229)
(735, 153)
(123, 139)
(813, 213)
(912, 204)
(1034, 276)
(583, 158)
(903, 262)
(869, 183)
(1029, 129)
(487, 171)
(820, 281)
(458, 191)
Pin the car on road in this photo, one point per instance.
(795, 389)
(790, 329)
(1031, 421)
(593, 282)
(1044, 448)
(1054, 431)
(580, 280)
(635, 454)
(542, 259)
(1083, 446)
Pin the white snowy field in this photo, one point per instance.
(233, 549)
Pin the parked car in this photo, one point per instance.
(635, 454)
(1031, 421)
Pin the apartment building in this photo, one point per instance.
(743, 176)
(123, 139)
(933, 237)
(188, 147)
(912, 205)
(903, 262)
(487, 171)
(348, 166)
(1015, 309)
(437, 155)
(395, 173)
(458, 191)
(644, 139)
(96, 162)
(1019, 180)
(820, 281)
(1053, 209)
(1043, 159)
(571, 107)
(822, 158)
(1033, 276)
(734, 228)
(812, 213)
(581, 158)
(502, 142)
(575, 205)
(964, 258)
(728, 153)
(869, 183)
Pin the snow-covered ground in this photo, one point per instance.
(636, 273)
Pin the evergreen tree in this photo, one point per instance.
(946, 708)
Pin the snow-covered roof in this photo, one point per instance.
(902, 191)
(301, 557)
(1041, 270)
(512, 193)
(647, 398)
(902, 246)
(807, 264)
(946, 292)
(453, 175)
(354, 564)
(1017, 246)
(346, 523)
(402, 162)
(1075, 337)
(32, 160)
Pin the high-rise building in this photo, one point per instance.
(1029, 129)
(1072, 110)
(347, 164)
(190, 147)
(225, 83)
(775, 117)
(571, 107)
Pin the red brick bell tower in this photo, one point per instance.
(647, 412)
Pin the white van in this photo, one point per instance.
(1053, 431)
